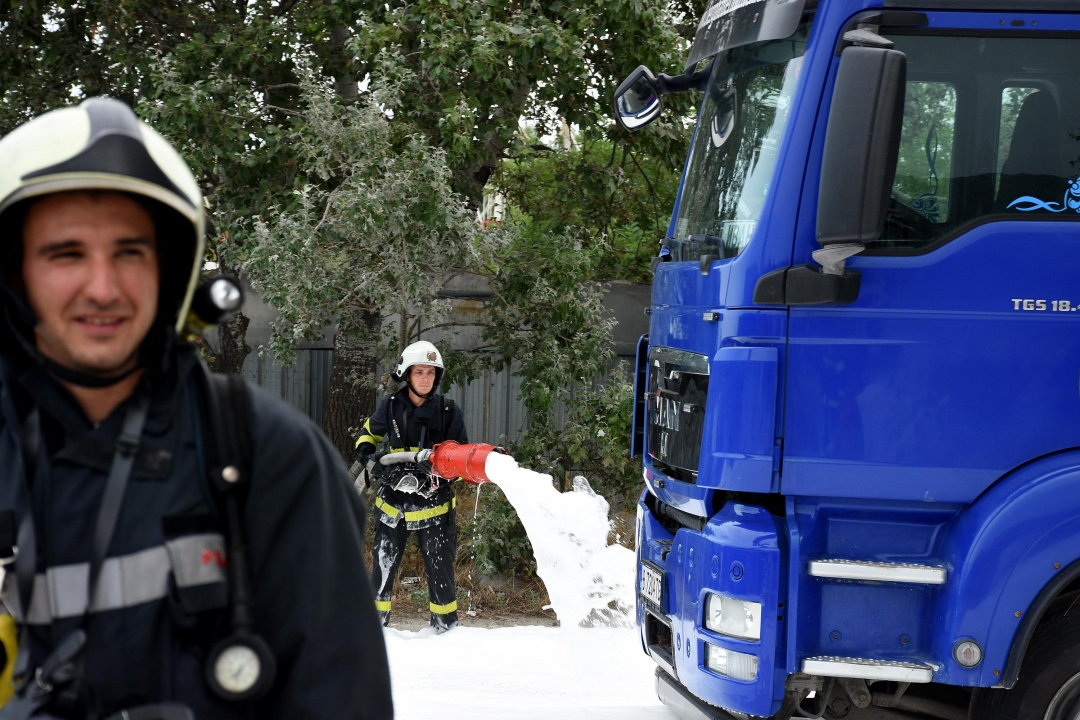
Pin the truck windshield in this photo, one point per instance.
(736, 144)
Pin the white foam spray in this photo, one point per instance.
(589, 582)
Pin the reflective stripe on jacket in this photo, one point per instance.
(126, 581)
(415, 516)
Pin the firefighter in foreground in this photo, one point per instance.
(410, 497)
(124, 571)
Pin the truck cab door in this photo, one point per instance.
(957, 358)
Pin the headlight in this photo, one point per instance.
(737, 665)
(729, 616)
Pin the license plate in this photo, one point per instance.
(651, 584)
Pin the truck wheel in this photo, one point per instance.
(1048, 687)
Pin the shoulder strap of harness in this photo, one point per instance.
(226, 429)
(391, 419)
(448, 416)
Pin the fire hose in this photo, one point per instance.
(450, 460)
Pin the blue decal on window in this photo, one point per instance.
(1070, 202)
(927, 203)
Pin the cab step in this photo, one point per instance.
(878, 571)
(867, 669)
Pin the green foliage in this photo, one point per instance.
(219, 79)
(594, 441)
(372, 225)
(466, 73)
(496, 542)
(547, 316)
(617, 196)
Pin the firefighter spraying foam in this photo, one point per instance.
(589, 582)
(411, 498)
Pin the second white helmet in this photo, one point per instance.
(419, 353)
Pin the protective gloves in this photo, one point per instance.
(375, 468)
(360, 473)
(367, 470)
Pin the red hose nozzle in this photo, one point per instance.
(452, 459)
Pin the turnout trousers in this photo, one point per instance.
(438, 546)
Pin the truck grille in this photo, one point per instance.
(675, 410)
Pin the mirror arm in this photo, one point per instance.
(690, 80)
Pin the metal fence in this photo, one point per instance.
(304, 384)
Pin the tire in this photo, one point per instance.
(1048, 687)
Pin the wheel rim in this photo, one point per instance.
(1065, 705)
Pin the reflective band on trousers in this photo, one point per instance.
(443, 609)
(382, 605)
(125, 581)
(416, 515)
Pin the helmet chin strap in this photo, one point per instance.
(82, 379)
(66, 374)
(419, 394)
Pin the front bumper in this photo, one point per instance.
(738, 553)
(683, 702)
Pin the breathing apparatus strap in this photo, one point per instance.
(440, 415)
(65, 663)
(227, 437)
(228, 462)
(127, 447)
(393, 423)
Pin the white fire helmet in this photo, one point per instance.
(419, 353)
(100, 144)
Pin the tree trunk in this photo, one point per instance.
(339, 63)
(352, 389)
(345, 84)
(351, 397)
(234, 348)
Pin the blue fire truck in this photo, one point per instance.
(858, 404)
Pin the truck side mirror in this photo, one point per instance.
(861, 146)
(637, 99)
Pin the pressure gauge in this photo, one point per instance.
(240, 667)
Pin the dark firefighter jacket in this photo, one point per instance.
(162, 598)
(443, 421)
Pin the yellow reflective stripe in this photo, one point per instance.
(417, 515)
(9, 638)
(443, 609)
(388, 509)
(367, 436)
(382, 605)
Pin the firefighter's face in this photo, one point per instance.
(422, 378)
(90, 269)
